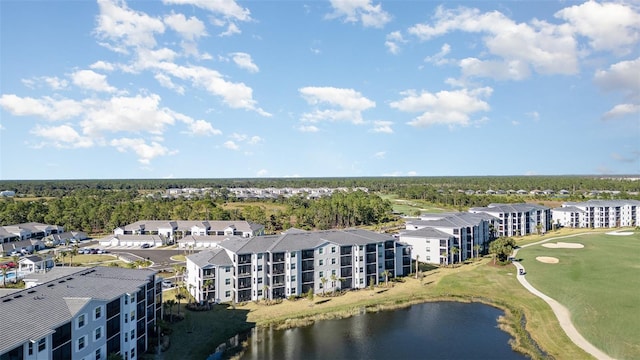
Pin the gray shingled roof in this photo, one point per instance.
(605, 203)
(34, 312)
(210, 257)
(429, 233)
(455, 220)
(568, 209)
(154, 225)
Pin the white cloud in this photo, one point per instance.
(360, 11)
(412, 173)
(227, 8)
(91, 80)
(130, 114)
(634, 156)
(166, 81)
(445, 107)
(122, 27)
(102, 65)
(440, 57)
(380, 154)
(547, 48)
(622, 76)
(308, 128)
(533, 115)
(232, 29)
(145, 152)
(255, 140)
(349, 103)
(622, 110)
(46, 107)
(53, 82)
(231, 145)
(609, 26)
(500, 70)
(393, 42)
(190, 29)
(262, 172)
(63, 136)
(244, 61)
(202, 128)
(380, 126)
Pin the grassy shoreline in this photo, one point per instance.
(534, 329)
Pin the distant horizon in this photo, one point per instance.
(329, 88)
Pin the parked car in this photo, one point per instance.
(167, 283)
(145, 246)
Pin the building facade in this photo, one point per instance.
(518, 219)
(291, 264)
(433, 237)
(175, 230)
(87, 313)
(597, 214)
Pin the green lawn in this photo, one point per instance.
(409, 207)
(599, 284)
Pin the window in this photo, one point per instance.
(428, 249)
(259, 267)
(293, 255)
(97, 334)
(227, 269)
(320, 262)
(227, 293)
(320, 251)
(126, 318)
(81, 343)
(361, 281)
(126, 336)
(293, 278)
(333, 261)
(321, 274)
(97, 313)
(293, 290)
(133, 334)
(333, 272)
(42, 344)
(30, 348)
(361, 269)
(227, 281)
(333, 249)
(428, 258)
(81, 320)
(259, 256)
(98, 354)
(259, 292)
(133, 315)
(259, 280)
(293, 266)
(133, 353)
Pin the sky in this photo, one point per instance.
(341, 88)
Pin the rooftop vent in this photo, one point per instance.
(7, 300)
(51, 285)
(31, 291)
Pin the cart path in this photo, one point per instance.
(562, 313)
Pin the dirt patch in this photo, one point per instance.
(563, 245)
(547, 259)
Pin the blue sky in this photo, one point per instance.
(224, 89)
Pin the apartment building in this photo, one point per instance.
(81, 313)
(174, 230)
(597, 214)
(518, 219)
(26, 231)
(433, 237)
(278, 266)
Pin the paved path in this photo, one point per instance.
(561, 312)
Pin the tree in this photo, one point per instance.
(15, 259)
(179, 296)
(265, 292)
(501, 248)
(208, 284)
(170, 304)
(386, 275)
(5, 270)
(477, 248)
(323, 280)
(333, 278)
(417, 262)
(539, 228)
(454, 252)
(73, 252)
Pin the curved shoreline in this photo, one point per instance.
(513, 321)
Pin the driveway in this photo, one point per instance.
(161, 258)
(562, 313)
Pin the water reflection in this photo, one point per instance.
(445, 330)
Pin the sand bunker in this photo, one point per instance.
(547, 259)
(620, 233)
(563, 245)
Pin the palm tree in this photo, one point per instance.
(170, 304)
(179, 296)
(443, 254)
(333, 278)
(5, 270)
(265, 292)
(73, 252)
(454, 251)
(477, 248)
(539, 228)
(207, 285)
(417, 261)
(323, 280)
(386, 275)
(15, 259)
(191, 287)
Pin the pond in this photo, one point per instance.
(442, 330)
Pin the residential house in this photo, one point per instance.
(175, 230)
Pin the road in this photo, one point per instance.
(562, 313)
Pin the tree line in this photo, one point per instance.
(99, 212)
